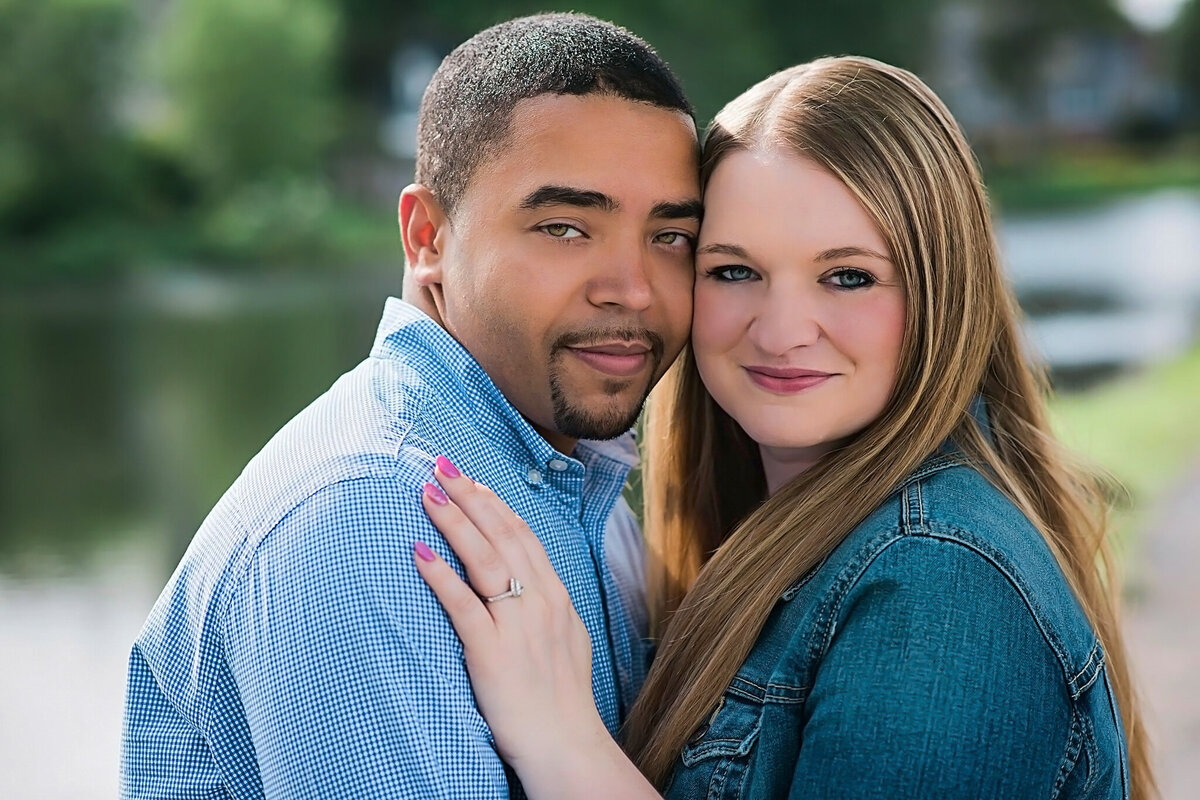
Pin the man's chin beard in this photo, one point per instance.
(570, 422)
(579, 422)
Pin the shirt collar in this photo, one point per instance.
(406, 333)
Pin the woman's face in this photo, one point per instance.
(799, 313)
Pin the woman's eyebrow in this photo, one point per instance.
(724, 249)
(834, 253)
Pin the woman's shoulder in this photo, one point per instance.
(944, 620)
(948, 538)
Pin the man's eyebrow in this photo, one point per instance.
(680, 209)
(835, 253)
(725, 250)
(568, 196)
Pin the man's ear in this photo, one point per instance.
(423, 227)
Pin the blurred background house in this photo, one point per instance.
(197, 233)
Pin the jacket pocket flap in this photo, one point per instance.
(730, 732)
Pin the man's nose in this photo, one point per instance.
(624, 278)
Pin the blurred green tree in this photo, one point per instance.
(59, 70)
(252, 87)
(718, 48)
(1021, 33)
(1185, 36)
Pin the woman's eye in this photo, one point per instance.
(732, 274)
(851, 279)
(561, 230)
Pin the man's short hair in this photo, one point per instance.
(468, 105)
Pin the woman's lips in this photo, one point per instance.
(618, 359)
(786, 381)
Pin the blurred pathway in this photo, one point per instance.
(64, 644)
(1163, 636)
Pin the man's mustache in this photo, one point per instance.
(594, 337)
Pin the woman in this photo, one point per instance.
(874, 572)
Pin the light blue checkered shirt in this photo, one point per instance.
(297, 653)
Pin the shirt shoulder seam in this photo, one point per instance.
(242, 568)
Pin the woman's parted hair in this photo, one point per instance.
(721, 552)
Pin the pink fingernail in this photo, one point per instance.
(435, 493)
(447, 468)
(423, 551)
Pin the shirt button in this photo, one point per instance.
(534, 476)
(557, 464)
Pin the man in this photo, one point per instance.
(295, 652)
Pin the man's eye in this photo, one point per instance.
(674, 238)
(561, 230)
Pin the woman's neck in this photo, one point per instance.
(781, 464)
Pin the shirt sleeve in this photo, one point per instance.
(350, 675)
(937, 682)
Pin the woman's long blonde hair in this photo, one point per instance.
(721, 553)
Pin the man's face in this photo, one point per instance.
(567, 269)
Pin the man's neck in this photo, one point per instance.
(423, 299)
(560, 442)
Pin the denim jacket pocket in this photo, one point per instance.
(730, 732)
(714, 762)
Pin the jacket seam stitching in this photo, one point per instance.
(1095, 663)
(849, 579)
(1052, 639)
(1070, 760)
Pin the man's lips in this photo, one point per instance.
(619, 359)
(784, 380)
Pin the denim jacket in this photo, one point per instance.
(938, 652)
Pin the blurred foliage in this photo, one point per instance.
(717, 48)
(1185, 50)
(1022, 33)
(59, 151)
(252, 87)
(139, 133)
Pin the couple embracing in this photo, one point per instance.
(868, 568)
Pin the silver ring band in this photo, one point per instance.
(515, 589)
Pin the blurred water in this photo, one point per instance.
(1119, 285)
(65, 642)
(135, 408)
(126, 412)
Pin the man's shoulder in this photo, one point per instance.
(349, 454)
(358, 432)
(357, 429)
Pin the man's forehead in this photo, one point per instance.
(600, 123)
(636, 154)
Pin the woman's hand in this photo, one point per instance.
(529, 656)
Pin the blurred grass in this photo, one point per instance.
(1082, 178)
(1144, 430)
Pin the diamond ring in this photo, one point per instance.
(515, 589)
